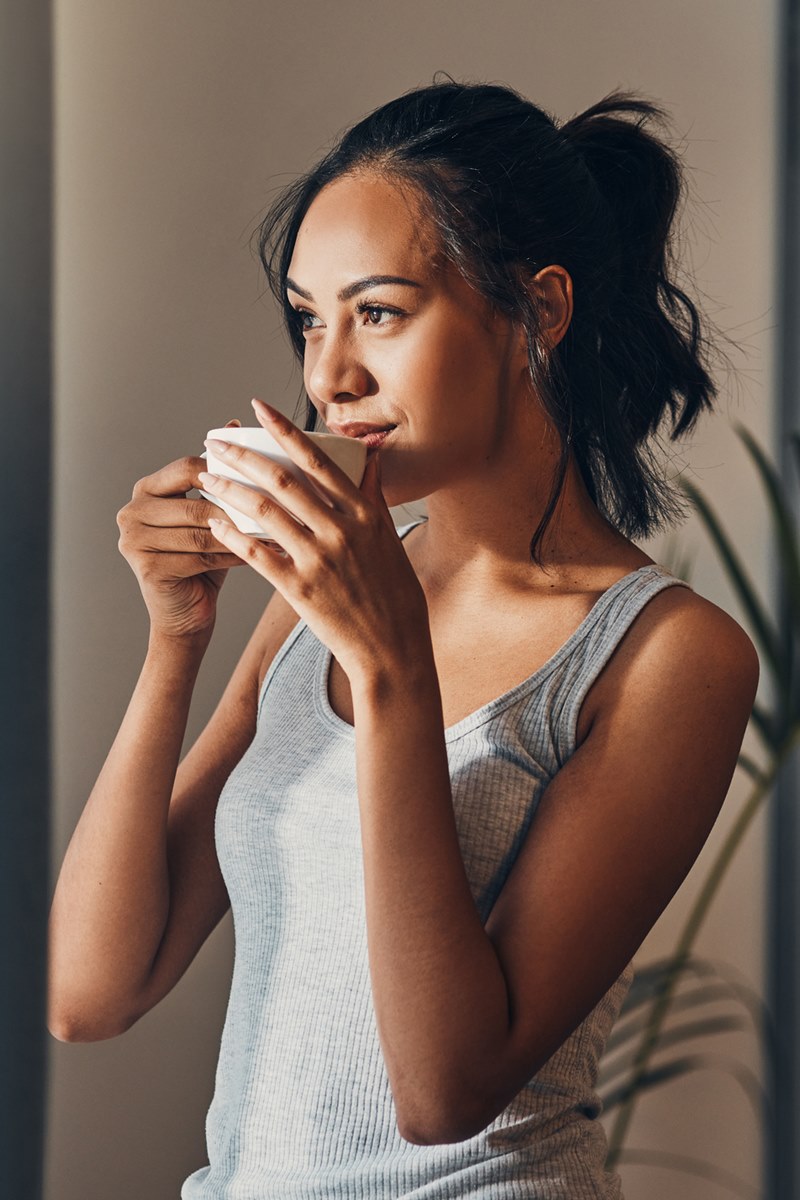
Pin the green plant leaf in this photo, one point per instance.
(779, 730)
(764, 725)
(750, 767)
(651, 1078)
(679, 562)
(674, 1035)
(717, 986)
(794, 443)
(706, 993)
(662, 1073)
(691, 927)
(782, 520)
(715, 993)
(633, 1023)
(763, 630)
(648, 977)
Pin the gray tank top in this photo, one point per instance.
(302, 1107)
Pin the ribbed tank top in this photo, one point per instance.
(302, 1107)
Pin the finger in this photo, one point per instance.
(308, 455)
(175, 479)
(371, 479)
(270, 515)
(169, 513)
(371, 487)
(184, 566)
(267, 558)
(186, 539)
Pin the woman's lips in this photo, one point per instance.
(371, 435)
(375, 439)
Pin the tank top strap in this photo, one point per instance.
(613, 614)
(402, 530)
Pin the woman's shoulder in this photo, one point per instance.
(683, 647)
(679, 622)
(683, 657)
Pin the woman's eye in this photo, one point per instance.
(366, 307)
(375, 313)
(302, 313)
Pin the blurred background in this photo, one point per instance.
(174, 126)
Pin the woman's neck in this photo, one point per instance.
(482, 544)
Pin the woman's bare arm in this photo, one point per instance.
(467, 1013)
(140, 888)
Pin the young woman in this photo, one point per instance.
(462, 767)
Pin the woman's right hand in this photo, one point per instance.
(179, 564)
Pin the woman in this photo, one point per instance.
(460, 770)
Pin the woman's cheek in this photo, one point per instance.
(418, 358)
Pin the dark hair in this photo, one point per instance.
(511, 192)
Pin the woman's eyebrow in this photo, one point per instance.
(360, 285)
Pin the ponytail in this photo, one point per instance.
(635, 349)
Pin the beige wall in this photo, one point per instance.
(175, 123)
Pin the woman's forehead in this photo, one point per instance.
(365, 225)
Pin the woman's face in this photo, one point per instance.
(425, 355)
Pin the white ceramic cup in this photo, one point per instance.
(348, 453)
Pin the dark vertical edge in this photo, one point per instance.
(25, 385)
(782, 1159)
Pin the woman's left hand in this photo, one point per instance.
(345, 573)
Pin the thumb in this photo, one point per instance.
(234, 421)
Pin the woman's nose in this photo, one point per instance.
(336, 368)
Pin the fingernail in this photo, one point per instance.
(267, 410)
(217, 447)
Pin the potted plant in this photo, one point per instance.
(676, 1001)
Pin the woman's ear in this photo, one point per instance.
(552, 287)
